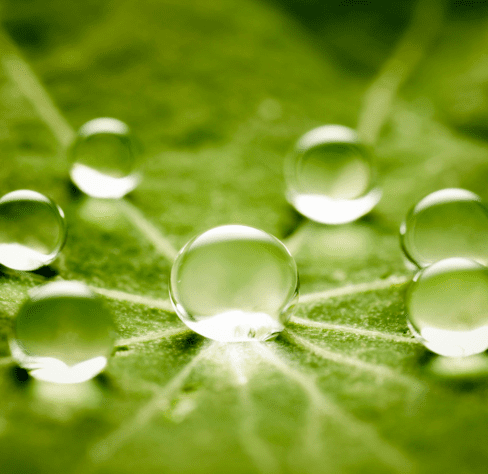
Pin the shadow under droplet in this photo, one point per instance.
(72, 190)
(20, 377)
(120, 349)
(291, 221)
(47, 272)
(105, 382)
(188, 341)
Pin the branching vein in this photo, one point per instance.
(364, 432)
(152, 233)
(31, 87)
(156, 303)
(152, 336)
(377, 369)
(425, 24)
(6, 360)
(354, 289)
(352, 330)
(20, 73)
(105, 448)
(255, 447)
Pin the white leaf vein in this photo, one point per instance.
(423, 28)
(156, 303)
(353, 289)
(152, 336)
(364, 432)
(377, 369)
(352, 330)
(6, 360)
(31, 87)
(149, 230)
(107, 447)
(255, 447)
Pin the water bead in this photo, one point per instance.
(330, 177)
(447, 307)
(63, 333)
(104, 159)
(447, 223)
(32, 230)
(234, 283)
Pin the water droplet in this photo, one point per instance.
(330, 176)
(234, 283)
(447, 307)
(63, 333)
(105, 159)
(32, 230)
(447, 223)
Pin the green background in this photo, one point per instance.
(218, 92)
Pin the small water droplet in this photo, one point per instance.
(32, 230)
(63, 333)
(330, 176)
(105, 158)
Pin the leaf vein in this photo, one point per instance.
(365, 432)
(255, 447)
(349, 329)
(353, 289)
(106, 448)
(378, 369)
(152, 336)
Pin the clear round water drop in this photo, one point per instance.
(447, 307)
(447, 223)
(104, 159)
(330, 177)
(234, 283)
(32, 230)
(63, 333)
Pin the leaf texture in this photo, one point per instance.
(218, 92)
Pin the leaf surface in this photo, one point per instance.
(218, 92)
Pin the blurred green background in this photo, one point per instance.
(218, 92)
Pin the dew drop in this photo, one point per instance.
(32, 230)
(447, 223)
(447, 307)
(63, 333)
(104, 159)
(234, 283)
(330, 177)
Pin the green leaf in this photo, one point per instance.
(218, 92)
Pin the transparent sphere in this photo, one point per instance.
(447, 223)
(32, 230)
(447, 307)
(330, 176)
(63, 333)
(104, 159)
(234, 283)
